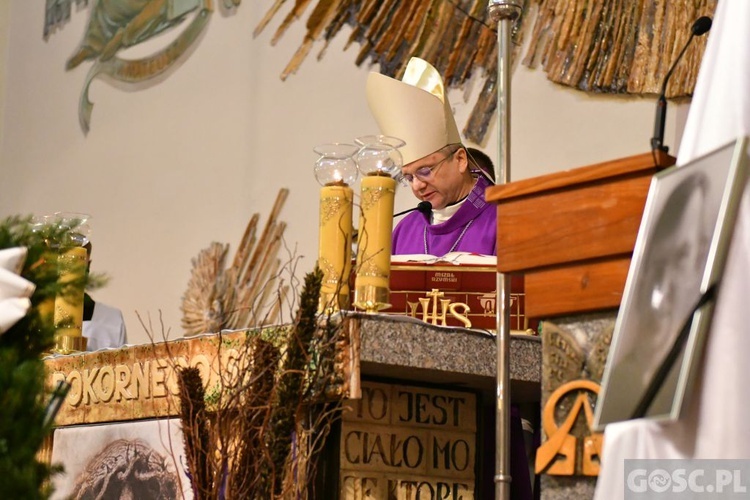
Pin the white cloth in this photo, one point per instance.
(106, 328)
(14, 290)
(716, 424)
(12, 259)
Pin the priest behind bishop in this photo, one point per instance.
(437, 167)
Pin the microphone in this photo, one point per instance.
(424, 206)
(700, 27)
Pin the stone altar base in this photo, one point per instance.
(575, 350)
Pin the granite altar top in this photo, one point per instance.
(401, 347)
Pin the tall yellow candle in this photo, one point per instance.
(371, 289)
(335, 246)
(68, 315)
(46, 308)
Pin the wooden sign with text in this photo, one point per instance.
(138, 381)
(406, 442)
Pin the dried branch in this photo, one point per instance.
(195, 431)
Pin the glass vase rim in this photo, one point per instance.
(380, 139)
(80, 216)
(336, 150)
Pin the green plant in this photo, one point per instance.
(23, 395)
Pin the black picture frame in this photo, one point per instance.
(667, 304)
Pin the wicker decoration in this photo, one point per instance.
(604, 46)
(618, 47)
(220, 298)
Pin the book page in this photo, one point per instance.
(456, 258)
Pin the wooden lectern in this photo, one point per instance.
(572, 233)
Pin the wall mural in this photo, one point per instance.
(600, 46)
(115, 25)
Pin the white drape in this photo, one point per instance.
(14, 290)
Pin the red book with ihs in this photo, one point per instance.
(457, 289)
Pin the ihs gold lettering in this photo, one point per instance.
(435, 309)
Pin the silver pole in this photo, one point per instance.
(503, 12)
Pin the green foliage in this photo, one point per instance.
(292, 380)
(33, 335)
(21, 431)
(22, 372)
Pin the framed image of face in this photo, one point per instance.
(125, 460)
(676, 267)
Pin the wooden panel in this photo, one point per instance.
(643, 164)
(577, 288)
(566, 226)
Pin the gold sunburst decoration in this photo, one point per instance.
(601, 46)
(247, 293)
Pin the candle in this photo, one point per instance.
(68, 315)
(371, 291)
(335, 246)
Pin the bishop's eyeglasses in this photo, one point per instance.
(424, 173)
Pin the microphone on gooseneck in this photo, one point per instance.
(424, 206)
(700, 27)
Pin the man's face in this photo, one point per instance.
(678, 266)
(438, 178)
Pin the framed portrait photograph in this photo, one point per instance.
(674, 273)
(138, 459)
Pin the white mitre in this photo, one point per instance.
(415, 109)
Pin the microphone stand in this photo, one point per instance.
(657, 142)
(699, 28)
(424, 206)
(504, 13)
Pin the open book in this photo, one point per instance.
(456, 258)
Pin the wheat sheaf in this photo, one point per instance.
(247, 293)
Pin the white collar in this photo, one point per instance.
(442, 215)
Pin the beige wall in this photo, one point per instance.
(4, 20)
(179, 163)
